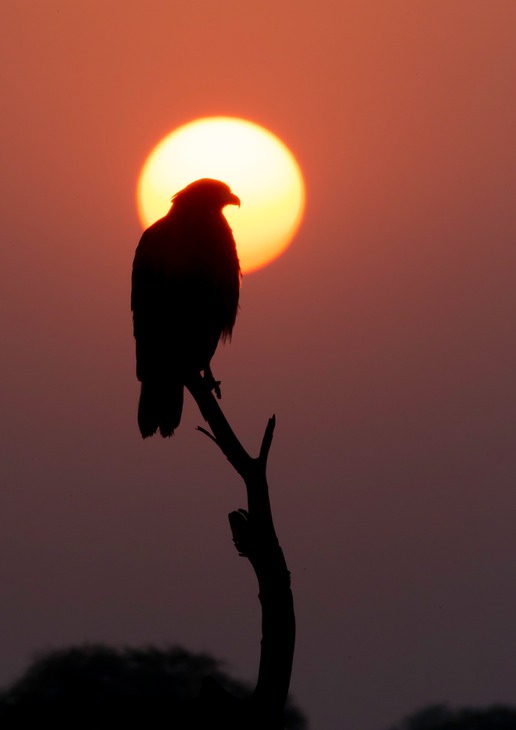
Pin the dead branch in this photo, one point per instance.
(255, 538)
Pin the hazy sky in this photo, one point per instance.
(383, 340)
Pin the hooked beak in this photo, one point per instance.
(234, 200)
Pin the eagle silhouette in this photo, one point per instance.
(184, 299)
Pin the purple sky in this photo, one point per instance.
(384, 341)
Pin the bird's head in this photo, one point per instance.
(206, 193)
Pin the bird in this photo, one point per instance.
(184, 298)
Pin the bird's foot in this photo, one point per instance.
(212, 383)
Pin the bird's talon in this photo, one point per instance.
(215, 386)
(212, 384)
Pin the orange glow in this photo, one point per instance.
(257, 166)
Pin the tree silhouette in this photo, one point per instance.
(441, 717)
(101, 687)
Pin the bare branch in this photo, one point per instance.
(255, 538)
(208, 434)
(267, 441)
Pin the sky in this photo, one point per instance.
(383, 340)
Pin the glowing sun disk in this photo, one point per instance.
(257, 166)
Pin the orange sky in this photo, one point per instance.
(383, 340)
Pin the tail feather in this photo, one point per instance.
(160, 408)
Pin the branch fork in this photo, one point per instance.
(255, 538)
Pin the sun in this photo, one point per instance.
(257, 166)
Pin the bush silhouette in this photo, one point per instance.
(441, 717)
(102, 687)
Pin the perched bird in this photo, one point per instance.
(184, 299)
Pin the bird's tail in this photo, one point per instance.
(161, 405)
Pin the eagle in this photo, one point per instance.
(184, 299)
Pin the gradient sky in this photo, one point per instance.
(383, 340)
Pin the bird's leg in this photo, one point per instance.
(211, 382)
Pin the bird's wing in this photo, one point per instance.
(185, 288)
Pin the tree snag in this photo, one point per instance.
(255, 539)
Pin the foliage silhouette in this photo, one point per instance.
(101, 687)
(441, 717)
